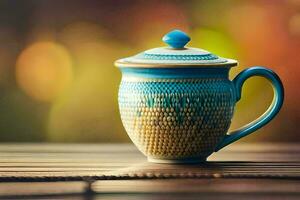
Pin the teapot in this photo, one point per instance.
(177, 102)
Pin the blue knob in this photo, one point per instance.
(176, 39)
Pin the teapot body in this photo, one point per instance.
(176, 114)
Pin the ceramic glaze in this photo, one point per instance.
(176, 39)
(176, 117)
(177, 105)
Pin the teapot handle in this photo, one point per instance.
(265, 118)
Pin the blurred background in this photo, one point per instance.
(57, 78)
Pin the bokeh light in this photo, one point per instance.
(88, 111)
(294, 24)
(57, 78)
(44, 70)
(215, 41)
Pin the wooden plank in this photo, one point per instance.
(60, 163)
(263, 167)
(70, 148)
(129, 148)
(198, 186)
(44, 188)
(163, 189)
(152, 171)
(128, 153)
(237, 172)
(264, 157)
(193, 196)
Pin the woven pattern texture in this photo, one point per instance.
(176, 118)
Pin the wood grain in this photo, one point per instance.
(76, 169)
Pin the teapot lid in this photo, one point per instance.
(175, 55)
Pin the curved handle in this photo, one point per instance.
(265, 118)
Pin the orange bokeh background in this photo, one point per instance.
(57, 78)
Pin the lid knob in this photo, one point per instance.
(176, 39)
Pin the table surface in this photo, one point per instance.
(120, 171)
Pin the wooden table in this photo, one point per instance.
(119, 171)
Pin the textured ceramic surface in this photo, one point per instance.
(177, 118)
(182, 114)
